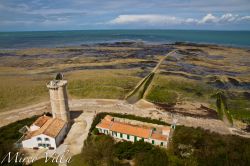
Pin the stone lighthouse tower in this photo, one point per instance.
(59, 98)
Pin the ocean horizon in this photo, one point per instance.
(62, 38)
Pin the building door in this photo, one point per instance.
(135, 138)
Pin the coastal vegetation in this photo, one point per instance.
(188, 146)
(112, 70)
(112, 84)
(222, 107)
(9, 135)
(93, 71)
(170, 89)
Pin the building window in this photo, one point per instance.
(142, 139)
(121, 135)
(128, 136)
(39, 139)
(161, 143)
(153, 142)
(114, 133)
(46, 139)
(135, 138)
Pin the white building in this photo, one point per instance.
(129, 132)
(48, 132)
(45, 132)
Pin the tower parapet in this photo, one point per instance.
(59, 99)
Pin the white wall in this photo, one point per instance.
(157, 142)
(33, 142)
(131, 137)
(61, 135)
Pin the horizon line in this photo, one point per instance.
(125, 30)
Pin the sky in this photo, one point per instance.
(38, 15)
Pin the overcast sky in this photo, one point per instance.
(19, 15)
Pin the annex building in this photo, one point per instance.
(131, 132)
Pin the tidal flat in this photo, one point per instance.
(111, 70)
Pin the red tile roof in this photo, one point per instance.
(41, 121)
(125, 128)
(51, 127)
(131, 129)
(104, 124)
(158, 136)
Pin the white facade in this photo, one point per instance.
(39, 141)
(132, 138)
(45, 141)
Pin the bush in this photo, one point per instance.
(10, 134)
(128, 150)
(96, 131)
(156, 157)
(215, 148)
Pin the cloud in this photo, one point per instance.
(209, 18)
(149, 19)
(152, 19)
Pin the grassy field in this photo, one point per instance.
(92, 72)
(192, 74)
(19, 91)
(170, 89)
(112, 84)
(195, 73)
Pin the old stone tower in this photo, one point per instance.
(59, 98)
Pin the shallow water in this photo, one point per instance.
(16, 40)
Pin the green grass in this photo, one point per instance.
(240, 109)
(166, 89)
(162, 95)
(19, 91)
(110, 85)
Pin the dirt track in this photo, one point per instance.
(93, 106)
(84, 110)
